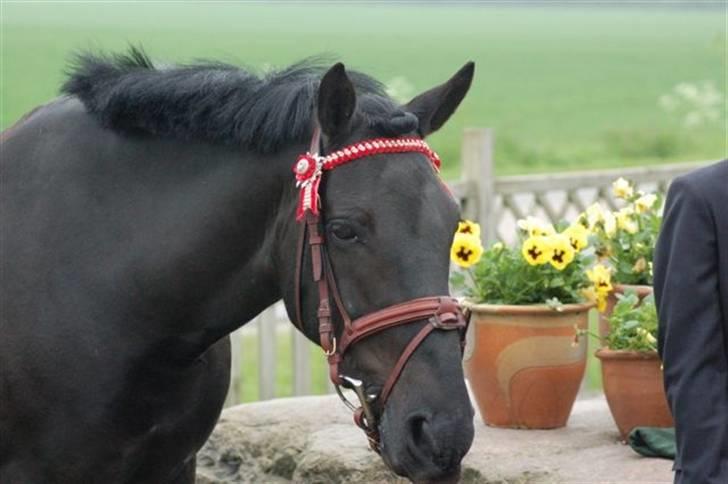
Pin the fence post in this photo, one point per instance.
(478, 173)
(301, 364)
(236, 383)
(267, 326)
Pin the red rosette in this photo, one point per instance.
(305, 167)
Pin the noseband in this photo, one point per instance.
(440, 312)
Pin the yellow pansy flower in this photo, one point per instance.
(466, 250)
(621, 188)
(594, 214)
(625, 221)
(603, 251)
(610, 224)
(601, 301)
(645, 203)
(647, 336)
(536, 227)
(468, 227)
(597, 297)
(562, 253)
(578, 236)
(639, 266)
(651, 339)
(536, 250)
(601, 277)
(627, 211)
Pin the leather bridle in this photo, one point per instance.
(441, 312)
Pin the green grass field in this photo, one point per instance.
(564, 88)
(249, 388)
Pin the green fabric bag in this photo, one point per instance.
(653, 441)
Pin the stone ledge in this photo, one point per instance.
(313, 440)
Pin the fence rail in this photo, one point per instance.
(495, 202)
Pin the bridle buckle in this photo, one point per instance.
(332, 351)
(451, 322)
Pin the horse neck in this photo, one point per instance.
(218, 271)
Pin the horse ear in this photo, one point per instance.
(336, 101)
(435, 106)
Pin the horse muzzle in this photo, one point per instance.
(442, 313)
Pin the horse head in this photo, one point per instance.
(376, 233)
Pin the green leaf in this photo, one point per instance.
(557, 282)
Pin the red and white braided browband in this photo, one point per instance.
(310, 167)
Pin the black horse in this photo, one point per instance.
(147, 213)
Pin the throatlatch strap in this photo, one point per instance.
(298, 275)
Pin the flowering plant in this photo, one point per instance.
(548, 266)
(626, 238)
(633, 324)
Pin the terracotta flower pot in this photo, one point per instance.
(642, 292)
(523, 364)
(634, 389)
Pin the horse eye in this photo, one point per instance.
(343, 232)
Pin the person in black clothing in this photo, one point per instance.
(691, 291)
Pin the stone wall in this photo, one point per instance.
(313, 440)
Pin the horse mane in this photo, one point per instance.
(213, 101)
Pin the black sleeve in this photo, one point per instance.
(691, 341)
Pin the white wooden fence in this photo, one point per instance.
(495, 202)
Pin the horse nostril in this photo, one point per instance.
(416, 428)
(421, 434)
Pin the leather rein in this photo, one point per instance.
(441, 312)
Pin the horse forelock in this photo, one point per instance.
(217, 102)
